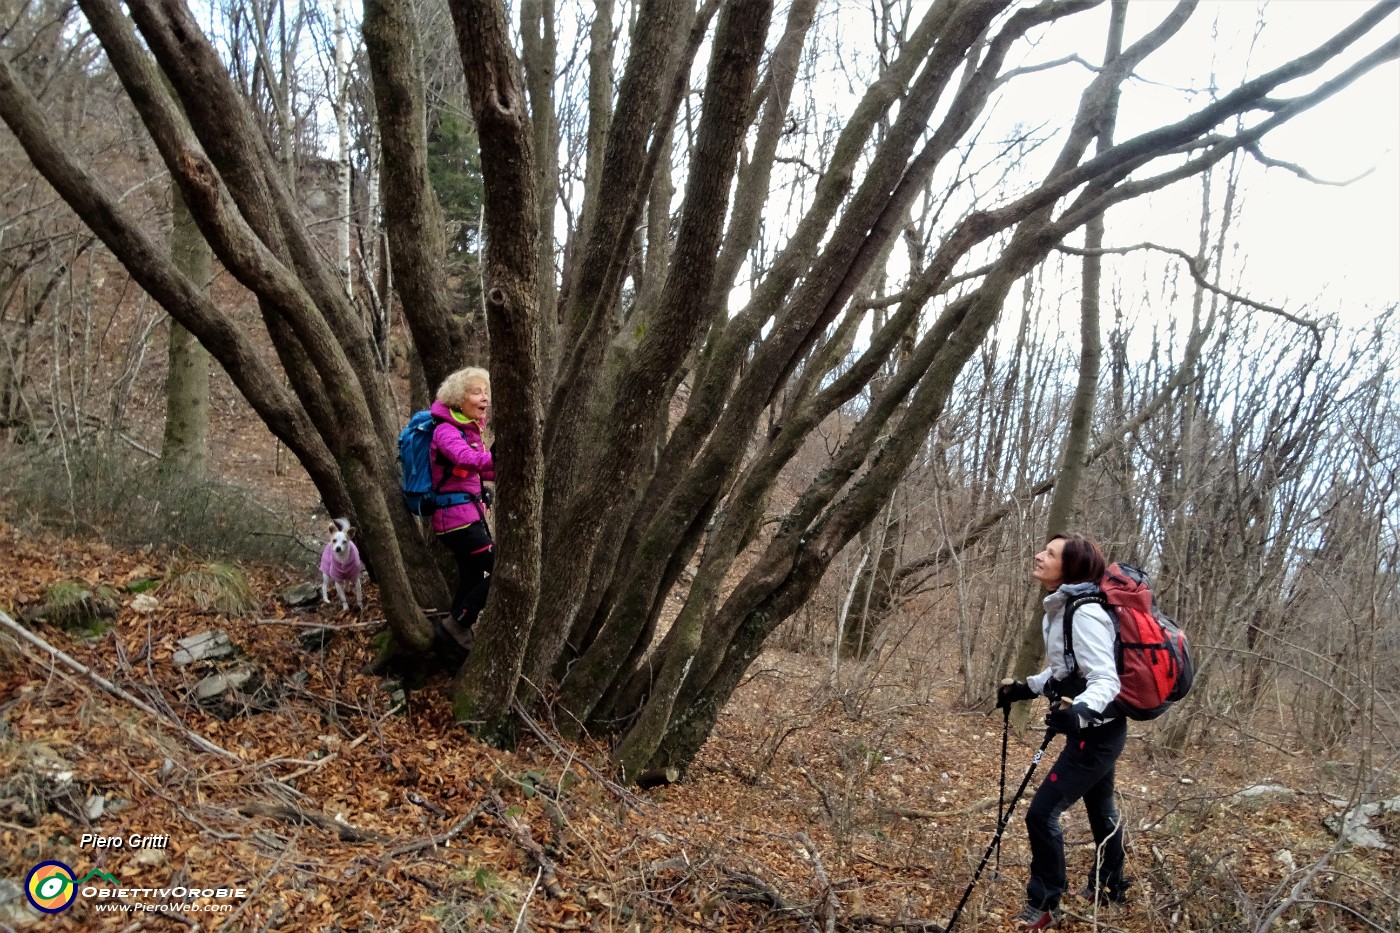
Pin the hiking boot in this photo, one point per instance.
(1037, 918)
(1102, 897)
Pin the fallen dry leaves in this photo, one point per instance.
(812, 807)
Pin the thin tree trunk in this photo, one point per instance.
(340, 104)
(184, 452)
(1081, 420)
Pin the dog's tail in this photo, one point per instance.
(342, 523)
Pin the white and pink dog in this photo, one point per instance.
(340, 563)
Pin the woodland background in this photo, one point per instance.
(850, 524)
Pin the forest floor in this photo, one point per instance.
(864, 803)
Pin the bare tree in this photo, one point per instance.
(606, 495)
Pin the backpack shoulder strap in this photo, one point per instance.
(1073, 604)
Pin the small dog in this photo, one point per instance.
(340, 563)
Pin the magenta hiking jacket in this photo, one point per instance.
(460, 461)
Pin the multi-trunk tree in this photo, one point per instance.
(630, 382)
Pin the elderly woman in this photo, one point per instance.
(1069, 567)
(460, 462)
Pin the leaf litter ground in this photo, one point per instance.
(854, 805)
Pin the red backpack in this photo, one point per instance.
(1150, 650)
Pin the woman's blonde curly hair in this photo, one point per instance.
(453, 391)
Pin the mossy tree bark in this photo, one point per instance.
(184, 452)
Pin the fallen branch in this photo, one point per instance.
(433, 842)
(289, 814)
(890, 923)
(912, 813)
(830, 903)
(336, 754)
(556, 746)
(298, 623)
(750, 888)
(525, 904)
(520, 833)
(192, 737)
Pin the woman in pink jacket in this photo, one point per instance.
(460, 462)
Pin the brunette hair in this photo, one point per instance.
(1081, 560)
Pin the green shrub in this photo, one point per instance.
(124, 500)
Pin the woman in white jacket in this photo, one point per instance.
(1085, 678)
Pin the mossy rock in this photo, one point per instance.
(76, 608)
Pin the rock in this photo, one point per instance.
(216, 685)
(316, 639)
(14, 909)
(96, 804)
(302, 594)
(397, 697)
(167, 768)
(237, 691)
(76, 608)
(1355, 824)
(144, 603)
(206, 646)
(1259, 790)
(150, 857)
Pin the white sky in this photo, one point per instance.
(1315, 250)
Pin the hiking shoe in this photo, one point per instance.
(1037, 918)
(1102, 897)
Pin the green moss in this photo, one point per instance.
(464, 708)
(77, 608)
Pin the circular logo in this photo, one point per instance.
(50, 887)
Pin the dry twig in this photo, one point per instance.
(194, 738)
(520, 833)
(290, 814)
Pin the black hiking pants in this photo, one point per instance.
(1084, 770)
(475, 554)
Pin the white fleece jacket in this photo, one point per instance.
(1093, 649)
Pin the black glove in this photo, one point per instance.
(1065, 720)
(1013, 692)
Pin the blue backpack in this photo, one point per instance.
(415, 465)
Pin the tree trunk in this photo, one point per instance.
(184, 452)
(487, 683)
(598, 485)
(1081, 421)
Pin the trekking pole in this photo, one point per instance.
(1001, 789)
(1001, 827)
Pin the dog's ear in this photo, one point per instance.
(350, 531)
(332, 527)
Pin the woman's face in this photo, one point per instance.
(1048, 568)
(477, 402)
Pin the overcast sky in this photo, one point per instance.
(1318, 250)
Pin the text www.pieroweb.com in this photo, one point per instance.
(161, 900)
